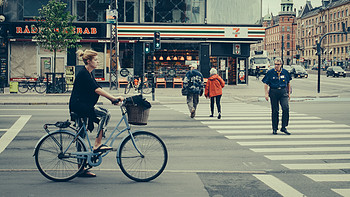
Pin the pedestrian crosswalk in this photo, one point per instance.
(316, 145)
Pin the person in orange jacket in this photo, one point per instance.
(213, 89)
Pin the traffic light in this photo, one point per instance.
(147, 48)
(156, 40)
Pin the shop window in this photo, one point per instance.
(80, 10)
(148, 11)
(128, 10)
(28, 9)
(179, 11)
(96, 10)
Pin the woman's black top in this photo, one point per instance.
(84, 97)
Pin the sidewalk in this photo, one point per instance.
(231, 93)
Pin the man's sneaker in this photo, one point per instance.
(274, 132)
(284, 130)
(193, 113)
(219, 116)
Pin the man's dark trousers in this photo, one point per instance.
(279, 96)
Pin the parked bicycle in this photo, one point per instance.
(61, 155)
(135, 83)
(39, 85)
(59, 87)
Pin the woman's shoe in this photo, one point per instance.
(219, 116)
(211, 115)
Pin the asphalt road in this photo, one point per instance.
(234, 156)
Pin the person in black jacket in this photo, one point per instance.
(84, 97)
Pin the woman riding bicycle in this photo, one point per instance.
(84, 97)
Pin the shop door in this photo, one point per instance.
(46, 65)
(242, 71)
(222, 68)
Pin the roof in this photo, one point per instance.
(308, 10)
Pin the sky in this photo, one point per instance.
(274, 6)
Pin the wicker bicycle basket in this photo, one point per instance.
(137, 115)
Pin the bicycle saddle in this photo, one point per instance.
(61, 124)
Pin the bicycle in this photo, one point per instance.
(60, 86)
(39, 85)
(134, 83)
(62, 155)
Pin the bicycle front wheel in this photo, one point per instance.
(147, 87)
(40, 87)
(145, 166)
(23, 87)
(54, 158)
(127, 88)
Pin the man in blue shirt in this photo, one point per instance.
(277, 87)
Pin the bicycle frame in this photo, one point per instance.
(90, 154)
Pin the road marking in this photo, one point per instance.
(334, 126)
(219, 122)
(2, 130)
(254, 118)
(12, 132)
(278, 185)
(283, 136)
(304, 131)
(343, 192)
(329, 177)
(308, 157)
(285, 143)
(319, 166)
(310, 149)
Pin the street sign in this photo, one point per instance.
(236, 49)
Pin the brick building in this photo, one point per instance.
(314, 22)
(280, 33)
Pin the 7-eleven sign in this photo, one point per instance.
(236, 49)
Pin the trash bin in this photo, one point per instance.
(14, 87)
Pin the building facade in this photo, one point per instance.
(281, 33)
(192, 31)
(313, 23)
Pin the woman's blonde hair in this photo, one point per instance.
(86, 55)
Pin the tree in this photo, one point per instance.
(55, 30)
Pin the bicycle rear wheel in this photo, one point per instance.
(53, 156)
(150, 164)
(127, 88)
(147, 87)
(23, 87)
(40, 87)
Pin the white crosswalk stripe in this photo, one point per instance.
(313, 139)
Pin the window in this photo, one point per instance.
(179, 11)
(288, 37)
(148, 11)
(288, 28)
(28, 9)
(288, 45)
(90, 10)
(282, 28)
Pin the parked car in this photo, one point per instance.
(335, 71)
(288, 68)
(323, 67)
(299, 71)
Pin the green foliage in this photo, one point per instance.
(55, 27)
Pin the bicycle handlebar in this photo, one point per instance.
(116, 101)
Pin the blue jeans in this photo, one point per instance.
(279, 97)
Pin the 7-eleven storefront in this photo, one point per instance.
(224, 47)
